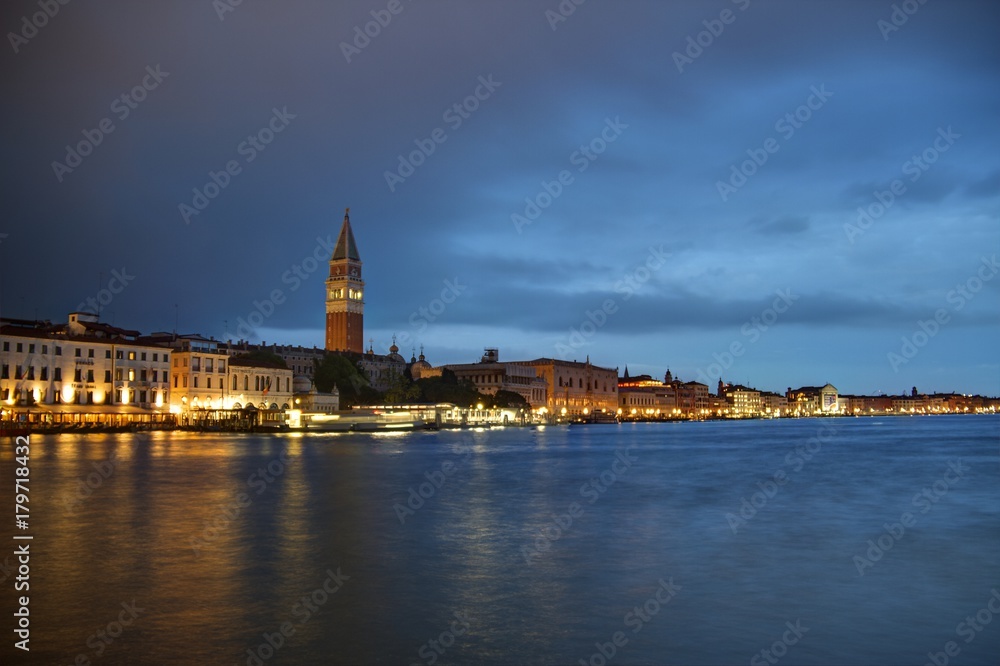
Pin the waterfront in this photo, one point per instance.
(702, 543)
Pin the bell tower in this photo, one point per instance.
(345, 305)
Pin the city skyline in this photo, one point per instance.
(783, 191)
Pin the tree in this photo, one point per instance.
(340, 371)
(265, 358)
(510, 399)
(447, 388)
(401, 390)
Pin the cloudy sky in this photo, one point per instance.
(777, 192)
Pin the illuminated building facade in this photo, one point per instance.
(490, 376)
(578, 388)
(345, 305)
(81, 371)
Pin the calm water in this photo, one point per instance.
(513, 555)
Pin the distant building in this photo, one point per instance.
(381, 369)
(692, 398)
(774, 404)
(306, 398)
(300, 360)
(741, 401)
(813, 400)
(490, 375)
(579, 388)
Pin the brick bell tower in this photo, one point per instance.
(345, 305)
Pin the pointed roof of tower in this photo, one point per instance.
(346, 247)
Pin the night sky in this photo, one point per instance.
(657, 184)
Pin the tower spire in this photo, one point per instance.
(345, 294)
(346, 247)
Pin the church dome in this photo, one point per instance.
(419, 366)
(301, 384)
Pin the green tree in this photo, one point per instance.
(341, 371)
(509, 399)
(447, 388)
(401, 390)
(264, 357)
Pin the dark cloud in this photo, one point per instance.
(655, 184)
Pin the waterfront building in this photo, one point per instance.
(577, 389)
(692, 398)
(261, 384)
(307, 399)
(490, 375)
(773, 404)
(813, 400)
(741, 401)
(197, 374)
(642, 397)
(83, 371)
(345, 305)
